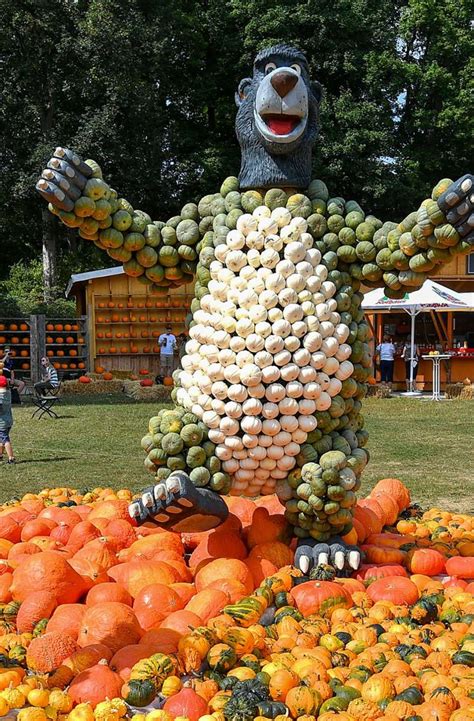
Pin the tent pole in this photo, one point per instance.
(413, 317)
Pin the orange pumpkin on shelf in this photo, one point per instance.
(84, 379)
(101, 304)
(147, 349)
(100, 335)
(69, 340)
(15, 340)
(13, 326)
(107, 376)
(60, 353)
(23, 326)
(25, 340)
(59, 327)
(73, 352)
(57, 366)
(134, 349)
(168, 381)
(59, 339)
(112, 349)
(81, 341)
(49, 339)
(73, 366)
(110, 304)
(124, 349)
(74, 327)
(142, 318)
(24, 353)
(115, 318)
(25, 366)
(67, 327)
(81, 365)
(99, 369)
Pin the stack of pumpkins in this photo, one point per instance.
(100, 619)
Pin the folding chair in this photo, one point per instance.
(45, 403)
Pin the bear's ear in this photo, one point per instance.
(317, 90)
(241, 93)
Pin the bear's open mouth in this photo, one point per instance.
(281, 124)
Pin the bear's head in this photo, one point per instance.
(277, 120)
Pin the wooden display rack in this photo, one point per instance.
(126, 321)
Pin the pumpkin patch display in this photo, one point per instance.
(220, 626)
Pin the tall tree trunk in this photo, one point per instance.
(49, 253)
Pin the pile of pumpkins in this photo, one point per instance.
(102, 620)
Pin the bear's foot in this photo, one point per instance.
(311, 553)
(176, 504)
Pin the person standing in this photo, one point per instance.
(50, 377)
(411, 356)
(6, 420)
(386, 352)
(7, 364)
(167, 343)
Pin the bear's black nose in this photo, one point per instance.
(284, 82)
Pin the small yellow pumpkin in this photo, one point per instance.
(82, 712)
(38, 697)
(32, 714)
(4, 707)
(171, 685)
(60, 700)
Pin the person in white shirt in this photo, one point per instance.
(411, 356)
(167, 343)
(386, 352)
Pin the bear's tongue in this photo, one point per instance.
(281, 124)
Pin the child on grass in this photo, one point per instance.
(6, 419)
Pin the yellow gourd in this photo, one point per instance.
(60, 700)
(38, 697)
(13, 697)
(158, 715)
(32, 714)
(171, 685)
(104, 711)
(82, 712)
(4, 707)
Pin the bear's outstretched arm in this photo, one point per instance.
(158, 254)
(401, 257)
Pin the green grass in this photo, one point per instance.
(97, 442)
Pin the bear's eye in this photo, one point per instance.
(269, 67)
(296, 67)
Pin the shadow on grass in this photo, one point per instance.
(56, 459)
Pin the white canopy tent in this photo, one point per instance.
(431, 296)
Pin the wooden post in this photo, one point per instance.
(450, 329)
(37, 345)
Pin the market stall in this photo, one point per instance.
(441, 306)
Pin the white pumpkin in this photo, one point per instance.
(234, 443)
(269, 258)
(268, 298)
(323, 402)
(290, 372)
(254, 343)
(262, 211)
(292, 343)
(331, 366)
(267, 225)
(257, 391)
(302, 357)
(253, 257)
(237, 392)
(244, 327)
(285, 268)
(288, 423)
(246, 223)
(296, 282)
(308, 423)
(233, 409)
(274, 344)
(251, 425)
(237, 343)
(270, 410)
(211, 419)
(288, 406)
(216, 435)
(294, 389)
(223, 452)
(334, 387)
(252, 407)
(282, 216)
(292, 449)
(311, 390)
(345, 370)
(263, 329)
(306, 406)
(250, 440)
(282, 358)
(270, 374)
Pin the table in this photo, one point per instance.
(436, 359)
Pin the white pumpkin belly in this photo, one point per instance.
(267, 350)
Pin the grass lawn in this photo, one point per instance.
(96, 442)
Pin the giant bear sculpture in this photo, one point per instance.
(269, 395)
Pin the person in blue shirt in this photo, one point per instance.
(6, 419)
(8, 365)
(386, 352)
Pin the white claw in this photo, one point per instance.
(172, 484)
(354, 559)
(147, 500)
(134, 510)
(304, 564)
(160, 491)
(323, 558)
(339, 560)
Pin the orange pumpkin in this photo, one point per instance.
(36, 606)
(396, 589)
(111, 623)
(67, 618)
(154, 603)
(104, 592)
(46, 653)
(47, 572)
(96, 684)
